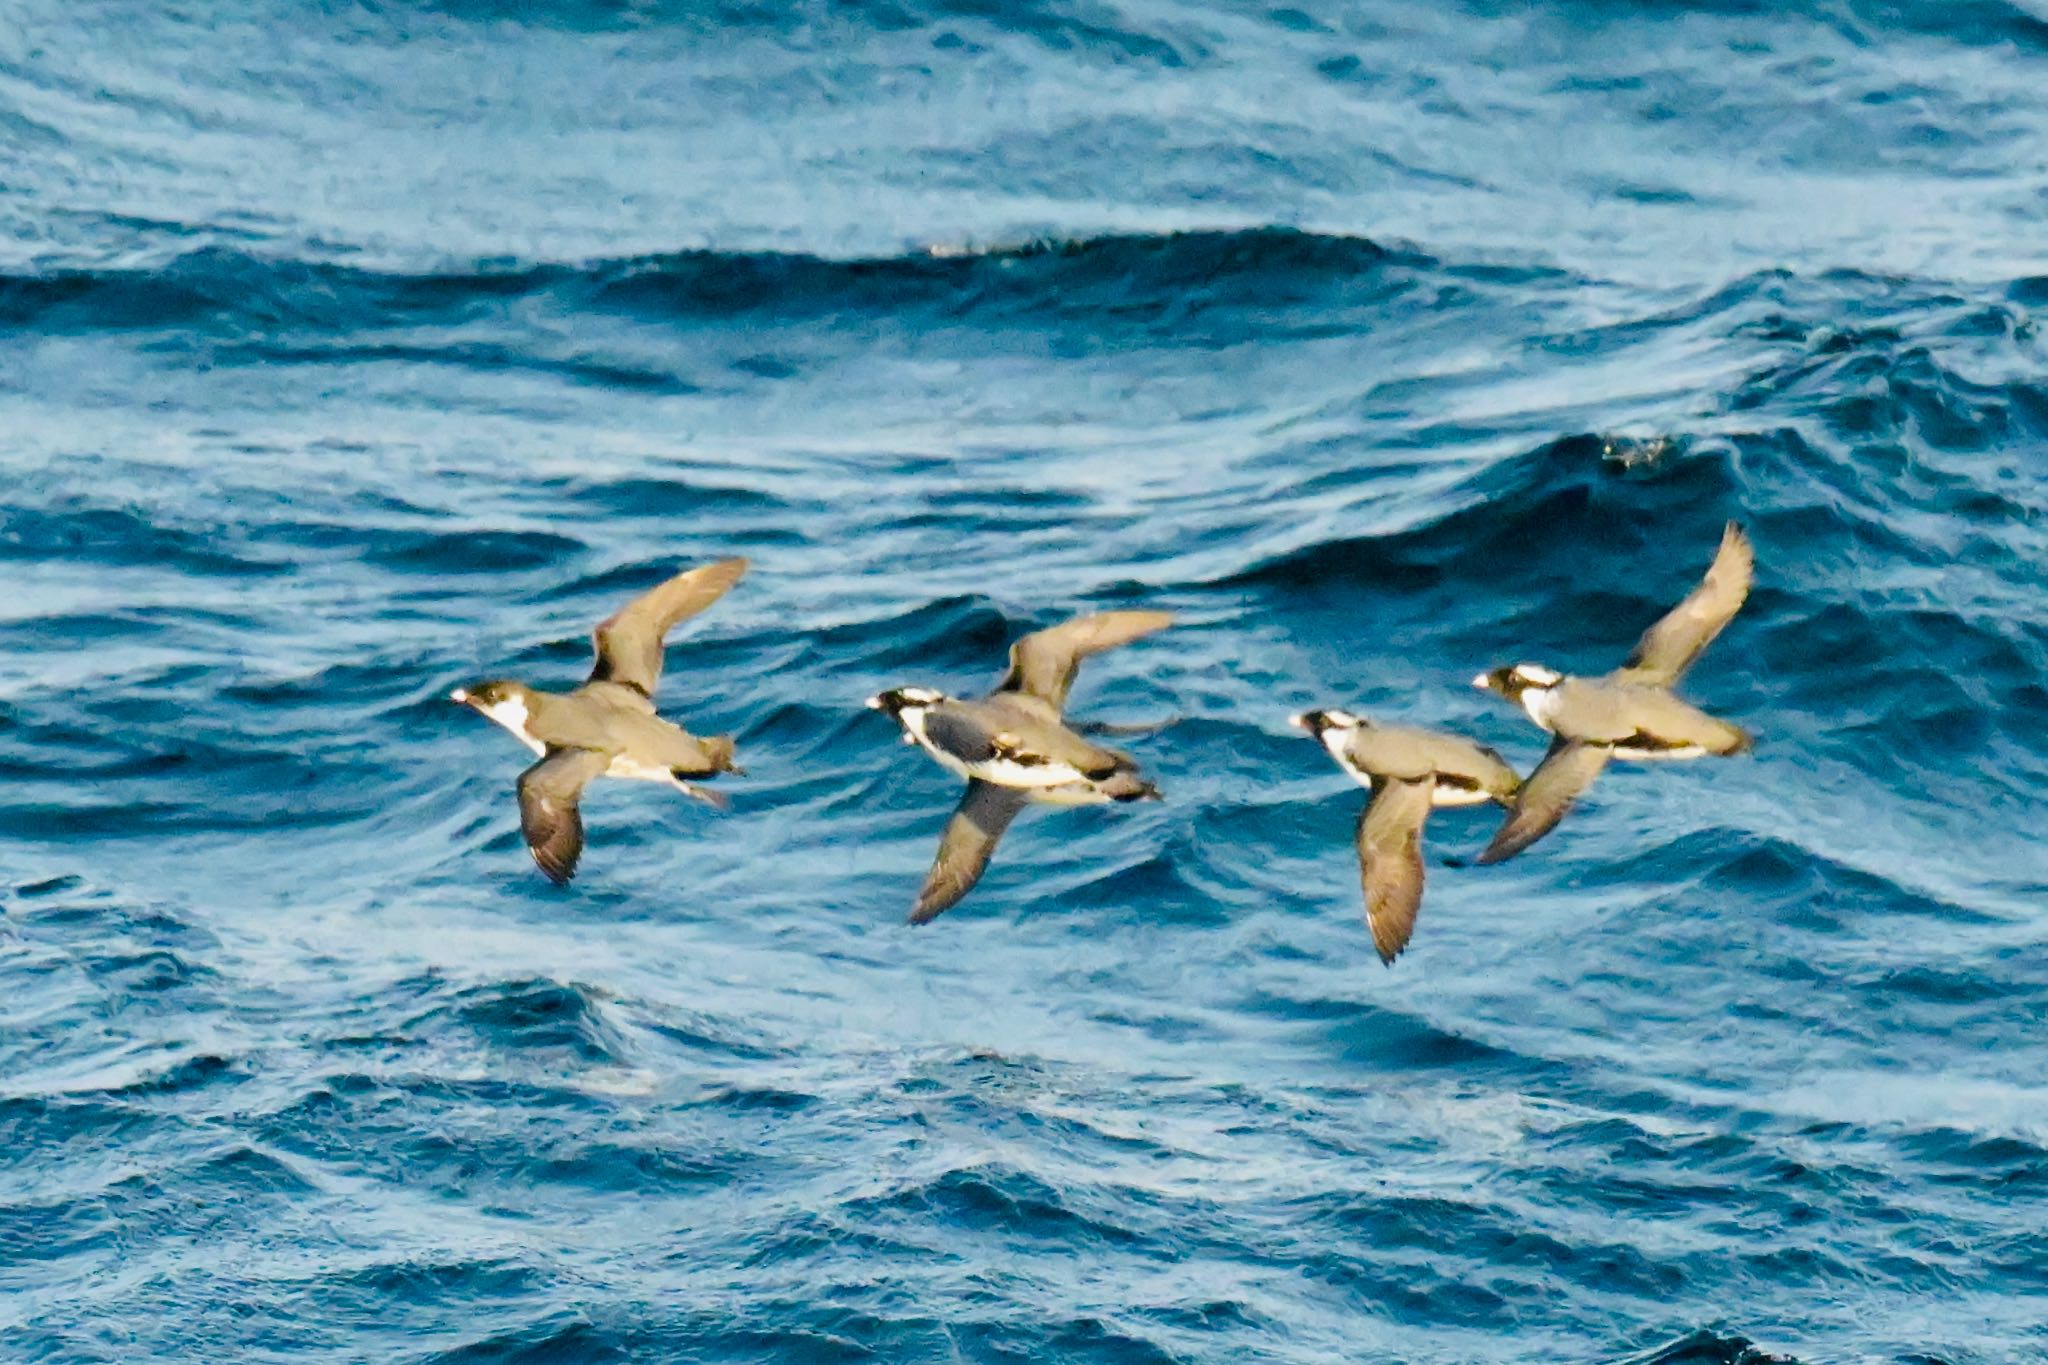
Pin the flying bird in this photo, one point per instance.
(1014, 747)
(1629, 713)
(1407, 771)
(608, 726)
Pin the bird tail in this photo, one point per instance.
(1739, 741)
(718, 751)
(1128, 786)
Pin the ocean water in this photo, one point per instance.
(352, 352)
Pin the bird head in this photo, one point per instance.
(1515, 679)
(500, 699)
(897, 700)
(1320, 723)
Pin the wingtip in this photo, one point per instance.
(1143, 620)
(710, 796)
(1504, 844)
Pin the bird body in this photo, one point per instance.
(608, 727)
(1016, 740)
(1408, 771)
(1015, 748)
(613, 720)
(1461, 773)
(1630, 713)
(1639, 720)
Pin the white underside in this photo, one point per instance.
(631, 770)
(1057, 784)
(1079, 794)
(1659, 755)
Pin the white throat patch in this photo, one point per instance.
(1337, 739)
(512, 714)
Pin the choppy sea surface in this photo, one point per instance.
(352, 352)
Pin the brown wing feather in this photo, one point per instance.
(1044, 663)
(630, 641)
(1565, 771)
(1668, 648)
(1390, 860)
(548, 815)
(970, 837)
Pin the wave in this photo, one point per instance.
(1709, 1347)
(227, 293)
(398, 356)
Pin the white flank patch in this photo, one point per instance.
(1074, 794)
(1008, 772)
(632, 770)
(1659, 755)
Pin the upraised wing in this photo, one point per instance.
(1568, 769)
(629, 643)
(548, 817)
(1390, 859)
(1043, 663)
(1668, 648)
(964, 849)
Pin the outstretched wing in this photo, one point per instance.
(629, 643)
(1668, 648)
(1390, 859)
(1565, 771)
(971, 835)
(1044, 662)
(548, 793)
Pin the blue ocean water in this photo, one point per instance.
(351, 352)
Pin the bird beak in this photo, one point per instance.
(874, 703)
(460, 695)
(1299, 720)
(1483, 683)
